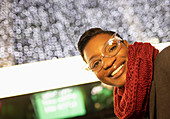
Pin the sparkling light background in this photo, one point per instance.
(37, 30)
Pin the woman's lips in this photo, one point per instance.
(118, 72)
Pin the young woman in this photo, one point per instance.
(130, 69)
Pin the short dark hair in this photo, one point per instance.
(87, 35)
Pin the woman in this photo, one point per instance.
(129, 68)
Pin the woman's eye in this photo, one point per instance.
(112, 48)
(95, 64)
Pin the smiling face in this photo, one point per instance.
(114, 68)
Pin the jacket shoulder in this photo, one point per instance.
(161, 85)
(163, 57)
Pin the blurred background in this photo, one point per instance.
(41, 30)
(36, 30)
(87, 101)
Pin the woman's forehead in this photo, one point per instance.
(98, 40)
(95, 45)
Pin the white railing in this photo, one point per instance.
(47, 75)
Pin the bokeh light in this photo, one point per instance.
(37, 30)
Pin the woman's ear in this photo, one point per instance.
(126, 43)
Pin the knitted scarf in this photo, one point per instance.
(131, 101)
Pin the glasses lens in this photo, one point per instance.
(111, 48)
(95, 65)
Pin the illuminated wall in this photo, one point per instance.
(36, 30)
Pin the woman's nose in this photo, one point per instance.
(108, 62)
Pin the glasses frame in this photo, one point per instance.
(118, 41)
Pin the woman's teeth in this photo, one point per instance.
(117, 70)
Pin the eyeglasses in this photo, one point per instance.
(110, 49)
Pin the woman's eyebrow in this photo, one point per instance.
(93, 57)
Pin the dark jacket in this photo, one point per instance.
(159, 102)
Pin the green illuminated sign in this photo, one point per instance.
(63, 103)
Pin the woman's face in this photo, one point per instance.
(114, 68)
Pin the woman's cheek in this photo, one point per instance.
(99, 76)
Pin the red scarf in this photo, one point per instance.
(131, 101)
